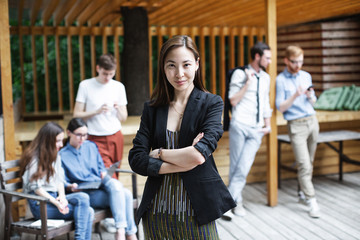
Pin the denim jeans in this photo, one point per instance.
(244, 142)
(79, 210)
(112, 194)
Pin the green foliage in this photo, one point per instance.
(40, 67)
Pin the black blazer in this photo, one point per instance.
(208, 194)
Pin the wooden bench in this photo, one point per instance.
(11, 187)
(327, 138)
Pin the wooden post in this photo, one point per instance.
(271, 27)
(135, 58)
(6, 82)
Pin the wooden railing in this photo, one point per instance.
(221, 48)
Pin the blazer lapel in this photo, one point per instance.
(161, 123)
(189, 114)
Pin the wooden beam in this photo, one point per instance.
(271, 27)
(35, 11)
(88, 11)
(109, 8)
(6, 82)
(62, 10)
(49, 10)
(67, 30)
(79, 6)
(109, 19)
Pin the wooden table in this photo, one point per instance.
(327, 138)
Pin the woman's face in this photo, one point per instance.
(78, 136)
(180, 66)
(59, 141)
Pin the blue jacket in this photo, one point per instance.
(208, 194)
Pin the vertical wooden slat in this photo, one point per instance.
(21, 53)
(117, 55)
(47, 78)
(231, 49)
(93, 55)
(160, 38)
(6, 82)
(203, 56)
(22, 75)
(260, 34)
(35, 85)
(241, 47)
(212, 61)
(70, 73)
(81, 55)
(104, 41)
(150, 62)
(251, 35)
(222, 63)
(272, 138)
(58, 71)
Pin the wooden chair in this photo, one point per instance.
(11, 186)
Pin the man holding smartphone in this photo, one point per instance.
(295, 98)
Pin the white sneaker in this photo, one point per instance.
(239, 210)
(314, 210)
(109, 225)
(228, 215)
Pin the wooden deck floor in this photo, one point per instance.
(339, 203)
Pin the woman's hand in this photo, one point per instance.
(197, 139)
(62, 207)
(154, 153)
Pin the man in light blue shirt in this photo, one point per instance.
(295, 98)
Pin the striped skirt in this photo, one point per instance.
(171, 215)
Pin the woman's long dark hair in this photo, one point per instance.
(43, 147)
(164, 93)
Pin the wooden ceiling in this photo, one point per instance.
(177, 12)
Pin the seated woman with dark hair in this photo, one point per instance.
(82, 162)
(43, 175)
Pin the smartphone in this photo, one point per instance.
(312, 86)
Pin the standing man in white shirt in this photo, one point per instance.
(101, 101)
(250, 121)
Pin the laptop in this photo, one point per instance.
(96, 184)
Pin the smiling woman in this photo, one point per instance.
(174, 147)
